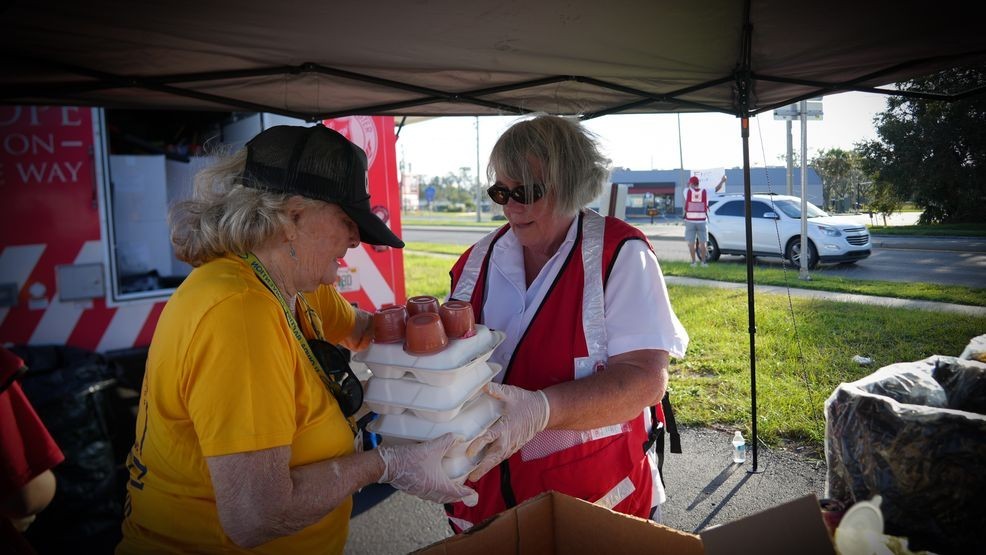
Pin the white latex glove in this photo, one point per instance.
(417, 469)
(525, 413)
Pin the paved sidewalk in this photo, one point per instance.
(832, 296)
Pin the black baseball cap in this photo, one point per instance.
(319, 163)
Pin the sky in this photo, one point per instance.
(438, 146)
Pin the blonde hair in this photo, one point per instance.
(224, 216)
(572, 167)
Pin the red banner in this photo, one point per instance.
(374, 276)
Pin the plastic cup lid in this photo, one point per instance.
(864, 515)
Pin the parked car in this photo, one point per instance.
(776, 226)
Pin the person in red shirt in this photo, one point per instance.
(696, 216)
(27, 454)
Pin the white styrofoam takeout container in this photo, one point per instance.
(429, 402)
(389, 360)
(476, 417)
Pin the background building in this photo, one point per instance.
(663, 190)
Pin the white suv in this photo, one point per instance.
(777, 231)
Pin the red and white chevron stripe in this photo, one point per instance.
(41, 319)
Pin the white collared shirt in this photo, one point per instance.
(638, 310)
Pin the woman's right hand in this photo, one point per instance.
(417, 469)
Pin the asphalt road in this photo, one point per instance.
(945, 260)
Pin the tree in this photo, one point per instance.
(933, 152)
(842, 174)
(884, 200)
(449, 191)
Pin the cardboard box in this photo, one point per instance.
(792, 527)
(556, 523)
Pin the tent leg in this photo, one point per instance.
(751, 309)
(744, 88)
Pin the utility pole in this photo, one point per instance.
(790, 159)
(681, 165)
(803, 110)
(479, 190)
(805, 247)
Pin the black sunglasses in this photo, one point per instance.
(336, 365)
(501, 195)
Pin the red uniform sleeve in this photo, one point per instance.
(26, 447)
(10, 366)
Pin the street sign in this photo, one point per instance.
(792, 111)
(430, 193)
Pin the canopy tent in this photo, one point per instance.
(314, 59)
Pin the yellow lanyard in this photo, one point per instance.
(314, 320)
(258, 268)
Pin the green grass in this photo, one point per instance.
(427, 274)
(436, 248)
(775, 275)
(801, 358)
(939, 230)
(796, 370)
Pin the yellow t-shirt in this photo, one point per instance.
(225, 375)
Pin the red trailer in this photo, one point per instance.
(85, 259)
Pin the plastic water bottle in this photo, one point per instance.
(739, 448)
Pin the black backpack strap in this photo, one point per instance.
(672, 425)
(659, 428)
(656, 434)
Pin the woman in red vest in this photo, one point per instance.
(589, 329)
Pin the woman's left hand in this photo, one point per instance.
(525, 413)
(417, 469)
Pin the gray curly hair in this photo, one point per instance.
(572, 167)
(224, 216)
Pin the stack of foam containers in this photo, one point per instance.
(419, 398)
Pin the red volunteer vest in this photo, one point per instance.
(696, 204)
(612, 470)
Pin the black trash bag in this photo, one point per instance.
(72, 391)
(964, 384)
(897, 434)
(128, 368)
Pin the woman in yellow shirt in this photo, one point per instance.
(243, 441)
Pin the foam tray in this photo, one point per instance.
(475, 417)
(429, 402)
(390, 361)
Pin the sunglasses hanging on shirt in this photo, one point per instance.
(524, 194)
(336, 365)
